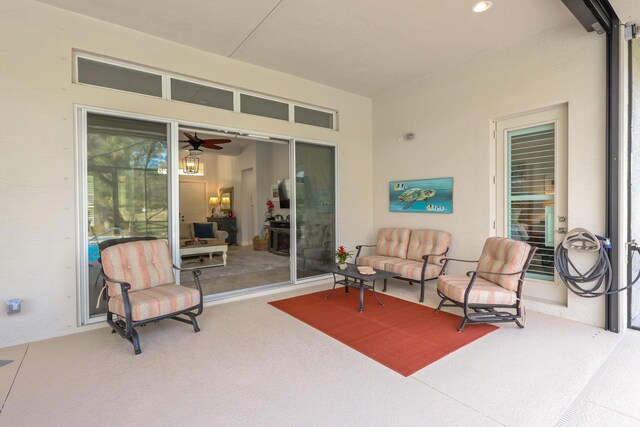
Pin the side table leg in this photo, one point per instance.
(384, 289)
(224, 257)
(361, 297)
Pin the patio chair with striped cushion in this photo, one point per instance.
(141, 286)
(493, 292)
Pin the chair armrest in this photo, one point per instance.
(221, 235)
(443, 260)
(125, 286)
(425, 257)
(469, 273)
(359, 248)
(365, 246)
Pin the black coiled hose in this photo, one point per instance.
(598, 276)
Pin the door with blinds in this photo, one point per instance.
(531, 191)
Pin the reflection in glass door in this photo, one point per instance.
(126, 188)
(315, 186)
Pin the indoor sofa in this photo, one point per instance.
(204, 230)
(414, 255)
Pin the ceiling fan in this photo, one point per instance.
(196, 143)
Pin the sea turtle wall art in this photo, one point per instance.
(421, 195)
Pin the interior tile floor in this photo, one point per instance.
(254, 365)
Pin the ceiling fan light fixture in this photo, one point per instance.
(191, 165)
(482, 6)
(195, 151)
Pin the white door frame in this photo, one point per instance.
(536, 289)
(83, 302)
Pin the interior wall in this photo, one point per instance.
(39, 107)
(451, 114)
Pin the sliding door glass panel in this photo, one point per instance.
(127, 187)
(531, 194)
(634, 181)
(315, 207)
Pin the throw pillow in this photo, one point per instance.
(203, 230)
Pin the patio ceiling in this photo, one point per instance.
(360, 46)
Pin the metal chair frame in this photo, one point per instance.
(487, 313)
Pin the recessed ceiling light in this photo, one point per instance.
(482, 6)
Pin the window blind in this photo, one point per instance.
(531, 194)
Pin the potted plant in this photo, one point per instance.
(341, 255)
(268, 216)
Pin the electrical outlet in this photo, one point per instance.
(14, 306)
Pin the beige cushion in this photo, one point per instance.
(425, 242)
(483, 291)
(393, 242)
(155, 302)
(376, 261)
(501, 255)
(186, 230)
(142, 264)
(410, 269)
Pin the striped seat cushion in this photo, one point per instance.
(156, 301)
(393, 242)
(410, 269)
(425, 242)
(483, 291)
(375, 261)
(143, 264)
(501, 255)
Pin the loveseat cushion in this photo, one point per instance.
(204, 230)
(143, 264)
(425, 242)
(410, 269)
(375, 261)
(393, 242)
(155, 302)
(483, 291)
(502, 255)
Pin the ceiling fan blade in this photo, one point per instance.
(217, 141)
(190, 137)
(212, 143)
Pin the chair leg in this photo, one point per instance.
(194, 322)
(135, 341)
(421, 290)
(440, 305)
(520, 325)
(464, 322)
(384, 288)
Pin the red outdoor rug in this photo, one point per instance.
(402, 335)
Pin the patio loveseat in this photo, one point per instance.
(414, 255)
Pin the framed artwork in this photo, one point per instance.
(422, 195)
(275, 195)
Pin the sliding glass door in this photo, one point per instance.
(634, 179)
(126, 190)
(315, 208)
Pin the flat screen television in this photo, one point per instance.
(283, 193)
